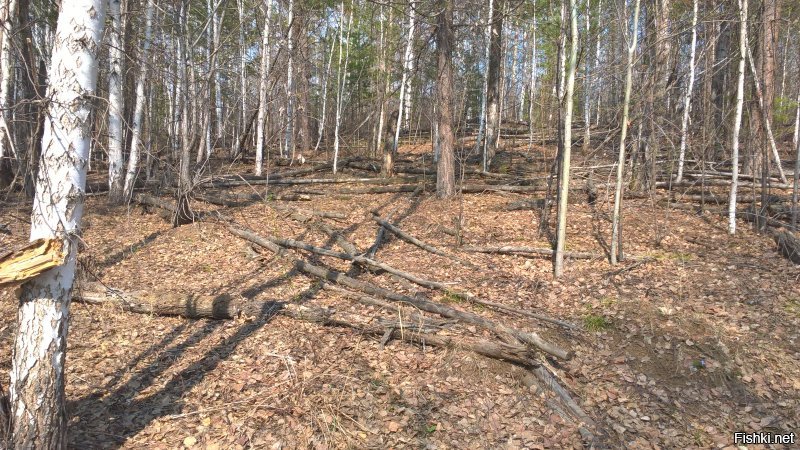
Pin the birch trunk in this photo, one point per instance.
(138, 110)
(616, 219)
(37, 374)
(341, 80)
(737, 120)
(532, 88)
(262, 91)
(115, 105)
(8, 12)
(404, 87)
(587, 84)
(561, 228)
(766, 118)
(480, 144)
(493, 86)
(243, 125)
(321, 130)
(289, 147)
(687, 101)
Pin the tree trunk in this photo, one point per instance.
(341, 81)
(687, 102)
(737, 120)
(37, 374)
(116, 78)
(138, 111)
(616, 226)
(445, 173)
(480, 144)
(8, 12)
(402, 109)
(563, 191)
(289, 147)
(493, 85)
(262, 91)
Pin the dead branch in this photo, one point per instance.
(412, 240)
(532, 339)
(30, 260)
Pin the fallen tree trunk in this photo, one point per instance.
(412, 240)
(430, 284)
(788, 245)
(306, 181)
(511, 250)
(185, 305)
(323, 273)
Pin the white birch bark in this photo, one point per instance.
(765, 117)
(532, 88)
(341, 76)
(687, 101)
(138, 110)
(405, 84)
(561, 228)
(8, 12)
(115, 104)
(615, 225)
(290, 85)
(587, 83)
(321, 131)
(262, 90)
(737, 119)
(37, 374)
(480, 144)
(242, 79)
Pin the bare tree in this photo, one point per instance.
(737, 119)
(633, 37)
(445, 174)
(37, 374)
(687, 101)
(563, 190)
(262, 90)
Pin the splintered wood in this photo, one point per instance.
(30, 260)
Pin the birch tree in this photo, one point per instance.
(388, 160)
(37, 373)
(138, 110)
(290, 83)
(687, 100)
(493, 85)
(341, 80)
(633, 37)
(737, 118)
(479, 141)
(8, 11)
(561, 228)
(262, 90)
(115, 104)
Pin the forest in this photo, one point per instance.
(399, 224)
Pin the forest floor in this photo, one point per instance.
(678, 352)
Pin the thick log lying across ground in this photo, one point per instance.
(323, 273)
(512, 250)
(412, 240)
(306, 181)
(788, 245)
(430, 284)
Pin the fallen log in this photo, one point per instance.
(311, 212)
(430, 284)
(31, 259)
(788, 245)
(323, 273)
(511, 250)
(307, 181)
(412, 240)
(380, 190)
(186, 305)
